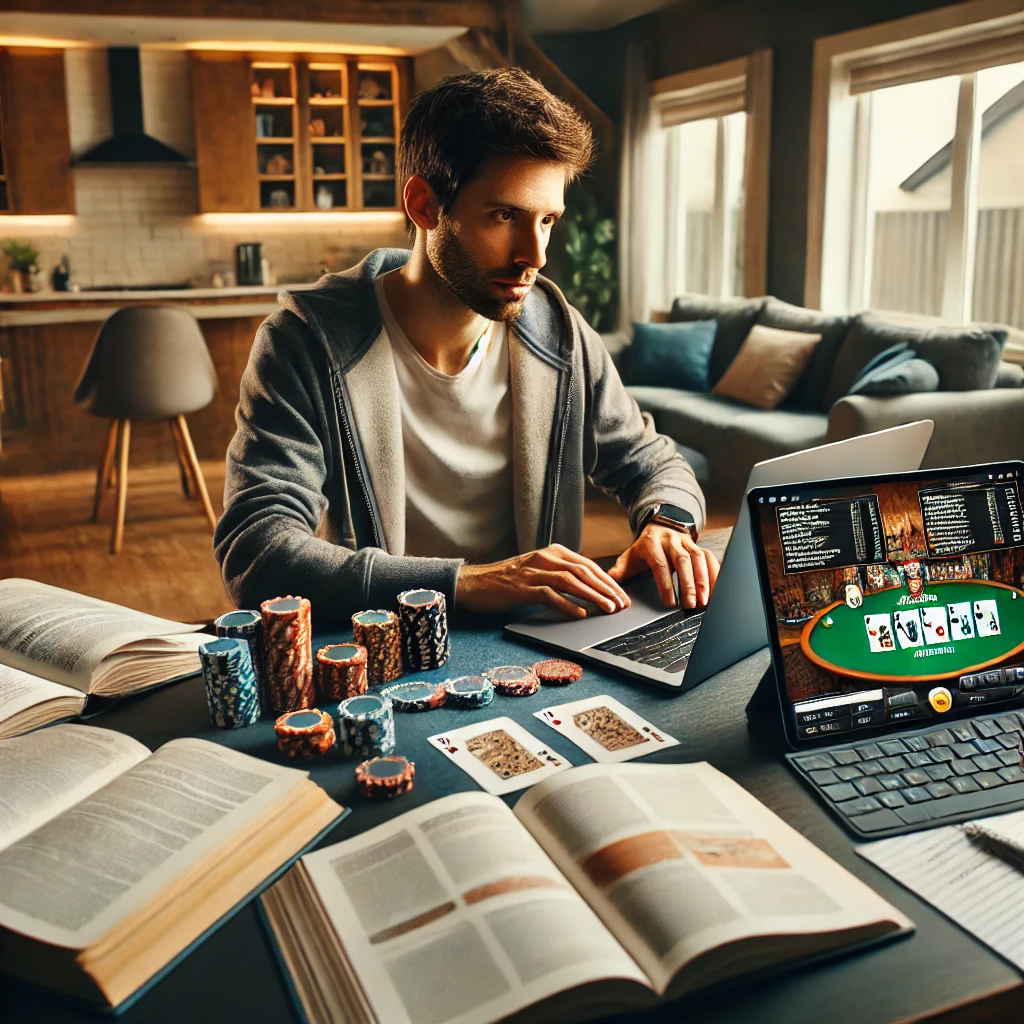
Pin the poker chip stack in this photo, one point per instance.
(385, 777)
(415, 696)
(246, 624)
(366, 726)
(379, 632)
(231, 692)
(424, 617)
(514, 680)
(288, 654)
(304, 733)
(469, 691)
(341, 671)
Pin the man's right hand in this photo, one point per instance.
(539, 577)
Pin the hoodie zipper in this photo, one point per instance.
(339, 398)
(558, 461)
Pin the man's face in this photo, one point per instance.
(491, 242)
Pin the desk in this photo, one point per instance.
(233, 976)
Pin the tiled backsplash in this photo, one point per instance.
(138, 225)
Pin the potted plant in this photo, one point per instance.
(24, 261)
(589, 261)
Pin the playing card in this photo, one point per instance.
(936, 628)
(961, 621)
(499, 755)
(907, 625)
(986, 618)
(879, 630)
(605, 729)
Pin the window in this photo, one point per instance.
(917, 167)
(706, 188)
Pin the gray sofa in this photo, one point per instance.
(978, 409)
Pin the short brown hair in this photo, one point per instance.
(453, 127)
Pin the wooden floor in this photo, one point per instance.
(166, 566)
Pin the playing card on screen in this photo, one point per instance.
(605, 729)
(879, 630)
(908, 628)
(961, 621)
(986, 618)
(936, 628)
(499, 754)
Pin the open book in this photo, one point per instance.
(85, 646)
(114, 861)
(608, 886)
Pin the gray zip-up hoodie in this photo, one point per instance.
(314, 499)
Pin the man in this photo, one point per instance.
(428, 419)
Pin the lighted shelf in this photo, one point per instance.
(378, 177)
(334, 140)
(276, 177)
(274, 140)
(326, 101)
(329, 177)
(376, 103)
(274, 101)
(376, 138)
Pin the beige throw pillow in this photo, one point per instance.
(768, 365)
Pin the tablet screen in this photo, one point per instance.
(893, 601)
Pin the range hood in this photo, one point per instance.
(129, 144)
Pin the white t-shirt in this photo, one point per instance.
(457, 440)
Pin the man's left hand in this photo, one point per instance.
(665, 550)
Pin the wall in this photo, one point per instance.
(139, 225)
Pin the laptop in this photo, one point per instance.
(895, 609)
(680, 648)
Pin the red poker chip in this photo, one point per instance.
(556, 672)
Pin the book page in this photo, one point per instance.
(453, 913)
(48, 771)
(64, 636)
(22, 690)
(679, 859)
(71, 880)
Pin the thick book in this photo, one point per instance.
(58, 647)
(607, 888)
(115, 860)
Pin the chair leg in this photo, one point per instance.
(103, 471)
(187, 485)
(197, 473)
(123, 442)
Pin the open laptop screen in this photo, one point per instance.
(893, 601)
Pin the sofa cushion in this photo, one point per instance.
(967, 358)
(1010, 376)
(755, 436)
(908, 376)
(809, 392)
(735, 318)
(767, 366)
(672, 355)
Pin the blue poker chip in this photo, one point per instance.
(469, 691)
(415, 696)
(366, 726)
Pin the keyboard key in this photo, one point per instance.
(988, 762)
(941, 738)
(964, 732)
(943, 754)
(964, 767)
(867, 786)
(875, 821)
(988, 746)
(846, 756)
(916, 794)
(916, 777)
(869, 751)
(893, 764)
(890, 747)
(871, 767)
(854, 807)
(916, 760)
(964, 785)
(913, 815)
(965, 805)
(1013, 773)
(986, 727)
(840, 791)
(940, 789)
(891, 800)
(938, 772)
(1010, 740)
(1009, 756)
(964, 749)
(916, 742)
(988, 780)
(823, 776)
(815, 761)
(846, 772)
(890, 781)
(1009, 723)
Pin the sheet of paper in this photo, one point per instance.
(981, 893)
(500, 755)
(605, 729)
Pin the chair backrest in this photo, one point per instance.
(148, 362)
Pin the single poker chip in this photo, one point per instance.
(416, 696)
(469, 691)
(304, 733)
(385, 777)
(514, 680)
(555, 672)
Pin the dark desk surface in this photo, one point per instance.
(233, 976)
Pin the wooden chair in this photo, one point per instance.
(148, 363)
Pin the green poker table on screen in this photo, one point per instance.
(843, 647)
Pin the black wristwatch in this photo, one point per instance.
(672, 516)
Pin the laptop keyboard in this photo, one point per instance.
(664, 643)
(930, 777)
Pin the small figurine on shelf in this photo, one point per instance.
(324, 197)
(280, 198)
(378, 163)
(267, 89)
(256, 90)
(61, 276)
(371, 89)
(317, 128)
(279, 164)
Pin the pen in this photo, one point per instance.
(1006, 850)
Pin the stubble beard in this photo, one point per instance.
(464, 281)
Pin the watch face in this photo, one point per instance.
(676, 515)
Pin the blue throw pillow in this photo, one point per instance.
(672, 355)
(896, 371)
